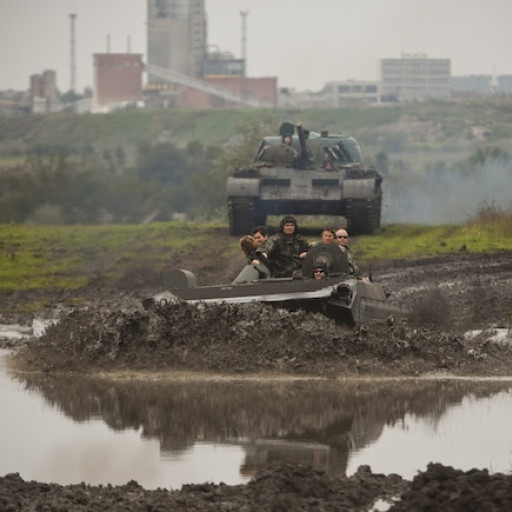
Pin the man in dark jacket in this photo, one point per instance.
(342, 241)
(286, 249)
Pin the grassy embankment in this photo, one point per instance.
(71, 257)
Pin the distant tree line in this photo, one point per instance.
(57, 186)
(60, 185)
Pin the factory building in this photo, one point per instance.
(176, 37)
(415, 77)
(117, 79)
(223, 63)
(261, 88)
(181, 72)
(351, 92)
(43, 91)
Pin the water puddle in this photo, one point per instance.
(69, 429)
(18, 332)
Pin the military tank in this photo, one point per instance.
(302, 172)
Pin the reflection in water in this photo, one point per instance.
(323, 424)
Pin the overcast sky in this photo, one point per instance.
(305, 43)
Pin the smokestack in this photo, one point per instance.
(129, 44)
(108, 43)
(72, 65)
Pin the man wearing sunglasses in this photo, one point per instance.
(320, 270)
(342, 241)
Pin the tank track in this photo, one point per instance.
(243, 215)
(363, 215)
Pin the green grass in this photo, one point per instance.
(414, 241)
(70, 257)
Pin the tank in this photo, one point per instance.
(313, 174)
(339, 296)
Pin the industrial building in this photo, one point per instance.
(117, 79)
(263, 89)
(351, 92)
(176, 38)
(182, 73)
(415, 77)
(43, 91)
(180, 70)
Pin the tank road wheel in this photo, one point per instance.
(243, 215)
(363, 215)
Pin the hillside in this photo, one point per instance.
(441, 161)
(422, 132)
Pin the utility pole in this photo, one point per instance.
(72, 64)
(243, 84)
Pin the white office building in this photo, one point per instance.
(415, 77)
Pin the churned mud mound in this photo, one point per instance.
(457, 303)
(281, 488)
(254, 338)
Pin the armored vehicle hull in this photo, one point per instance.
(317, 174)
(339, 296)
(343, 298)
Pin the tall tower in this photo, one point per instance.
(176, 36)
(72, 64)
(244, 40)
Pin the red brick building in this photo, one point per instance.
(262, 88)
(117, 78)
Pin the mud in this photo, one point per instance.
(447, 297)
(278, 488)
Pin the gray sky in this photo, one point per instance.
(304, 43)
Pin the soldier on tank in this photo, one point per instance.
(320, 270)
(342, 241)
(250, 247)
(260, 234)
(286, 249)
(326, 237)
(284, 153)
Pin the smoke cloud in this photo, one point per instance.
(445, 196)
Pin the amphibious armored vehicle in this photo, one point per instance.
(339, 296)
(305, 173)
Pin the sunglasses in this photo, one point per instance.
(319, 271)
(341, 236)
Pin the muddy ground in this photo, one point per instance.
(282, 488)
(447, 297)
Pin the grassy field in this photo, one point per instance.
(71, 257)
